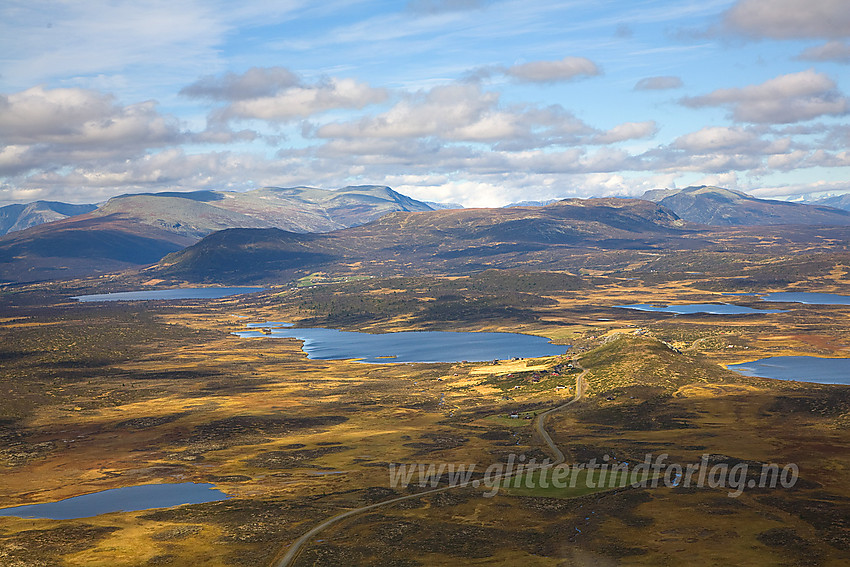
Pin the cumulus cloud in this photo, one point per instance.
(626, 131)
(254, 83)
(566, 69)
(300, 101)
(464, 113)
(824, 158)
(715, 149)
(658, 83)
(837, 51)
(80, 116)
(782, 100)
(54, 127)
(441, 111)
(715, 138)
(787, 161)
(789, 19)
(222, 135)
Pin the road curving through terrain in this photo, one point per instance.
(292, 552)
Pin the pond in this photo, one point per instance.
(127, 499)
(177, 293)
(800, 368)
(693, 308)
(410, 346)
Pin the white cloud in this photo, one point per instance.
(725, 179)
(441, 111)
(79, 116)
(837, 51)
(225, 136)
(465, 113)
(787, 162)
(256, 82)
(627, 131)
(789, 19)
(304, 100)
(16, 159)
(55, 127)
(824, 158)
(658, 83)
(714, 138)
(788, 98)
(566, 69)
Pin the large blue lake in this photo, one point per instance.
(127, 499)
(808, 297)
(801, 368)
(412, 346)
(178, 293)
(693, 308)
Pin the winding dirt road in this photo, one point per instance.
(297, 546)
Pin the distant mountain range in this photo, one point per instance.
(839, 202)
(530, 203)
(19, 217)
(306, 227)
(725, 207)
(296, 209)
(450, 241)
(440, 206)
(138, 229)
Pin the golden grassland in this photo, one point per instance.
(104, 396)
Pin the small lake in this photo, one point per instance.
(411, 346)
(693, 308)
(178, 293)
(800, 368)
(127, 499)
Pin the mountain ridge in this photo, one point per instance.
(718, 206)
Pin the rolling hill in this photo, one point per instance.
(725, 207)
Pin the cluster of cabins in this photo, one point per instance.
(537, 376)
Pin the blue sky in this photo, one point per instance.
(470, 101)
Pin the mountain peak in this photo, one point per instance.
(658, 195)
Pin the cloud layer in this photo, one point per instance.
(788, 98)
(472, 101)
(48, 128)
